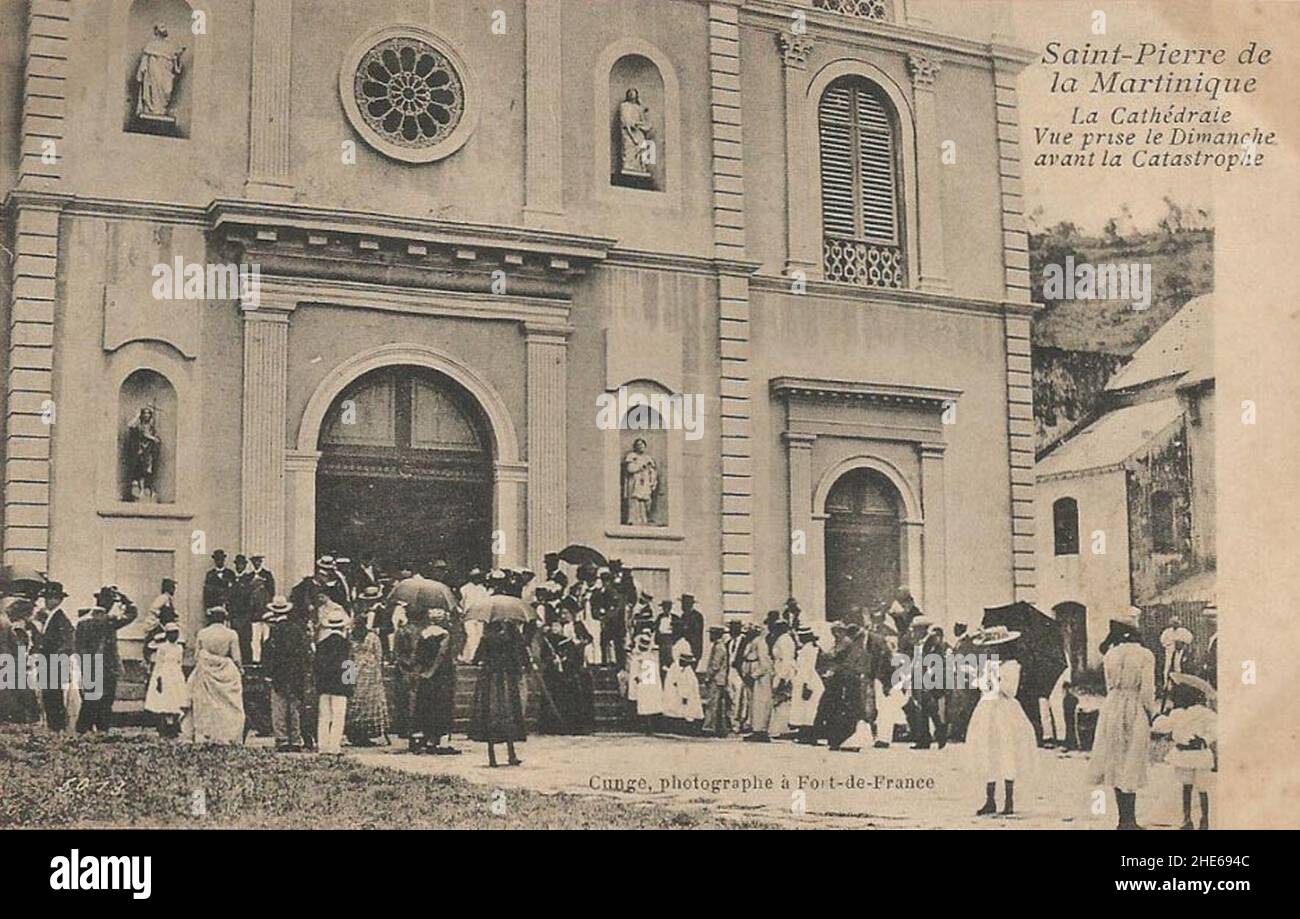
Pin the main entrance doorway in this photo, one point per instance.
(405, 473)
(863, 545)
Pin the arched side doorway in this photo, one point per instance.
(864, 543)
(405, 471)
(1073, 620)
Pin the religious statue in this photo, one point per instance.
(155, 77)
(143, 449)
(640, 484)
(636, 139)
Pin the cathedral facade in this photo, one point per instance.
(288, 277)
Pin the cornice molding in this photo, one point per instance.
(821, 390)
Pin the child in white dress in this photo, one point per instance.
(643, 685)
(1192, 726)
(681, 695)
(168, 695)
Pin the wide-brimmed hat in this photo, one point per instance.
(172, 627)
(326, 562)
(371, 593)
(1129, 617)
(994, 635)
(280, 604)
(922, 622)
(688, 597)
(1194, 682)
(215, 613)
(335, 618)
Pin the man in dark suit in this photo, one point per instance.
(217, 582)
(693, 625)
(96, 634)
(58, 638)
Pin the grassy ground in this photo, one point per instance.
(135, 779)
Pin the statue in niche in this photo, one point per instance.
(637, 152)
(155, 77)
(143, 450)
(640, 485)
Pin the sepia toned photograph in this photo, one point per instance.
(646, 414)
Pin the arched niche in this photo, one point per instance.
(638, 127)
(649, 412)
(159, 53)
(146, 438)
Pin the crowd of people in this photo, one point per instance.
(539, 645)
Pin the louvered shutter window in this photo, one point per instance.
(859, 185)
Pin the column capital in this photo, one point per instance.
(795, 49)
(923, 70)
(547, 333)
(795, 440)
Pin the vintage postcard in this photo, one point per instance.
(648, 414)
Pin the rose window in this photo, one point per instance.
(409, 92)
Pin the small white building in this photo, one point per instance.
(1125, 504)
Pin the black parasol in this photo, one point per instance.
(1042, 650)
(582, 555)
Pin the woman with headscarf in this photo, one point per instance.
(216, 685)
(1000, 740)
(1122, 743)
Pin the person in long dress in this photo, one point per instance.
(682, 703)
(1000, 741)
(643, 683)
(784, 651)
(808, 688)
(498, 715)
(167, 695)
(216, 685)
(840, 707)
(1122, 744)
(367, 716)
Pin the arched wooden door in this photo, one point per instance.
(405, 473)
(863, 543)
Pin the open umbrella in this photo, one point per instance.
(582, 555)
(1042, 657)
(420, 593)
(504, 608)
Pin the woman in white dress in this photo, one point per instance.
(1000, 740)
(808, 687)
(784, 652)
(1122, 744)
(216, 684)
(167, 696)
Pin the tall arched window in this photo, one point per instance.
(1065, 526)
(861, 225)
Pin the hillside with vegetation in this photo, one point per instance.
(1078, 343)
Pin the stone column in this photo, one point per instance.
(934, 598)
(798, 451)
(931, 273)
(548, 351)
(300, 499)
(509, 481)
(262, 486)
(802, 250)
(270, 172)
(544, 172)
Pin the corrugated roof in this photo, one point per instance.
(1182, 347)
(1112, 438)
